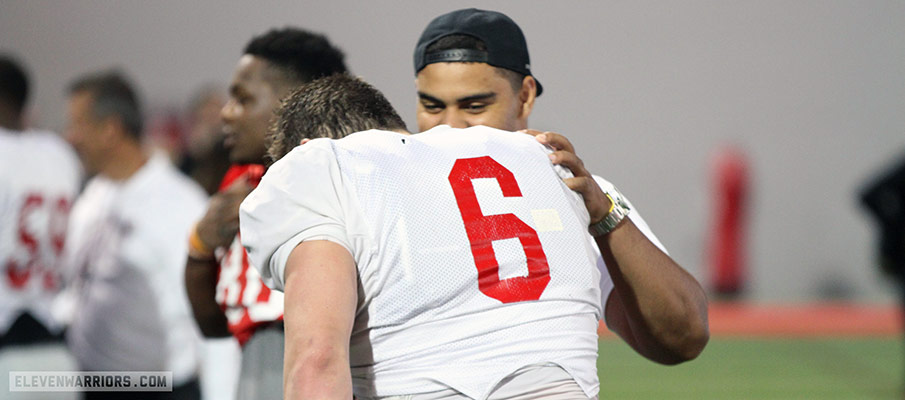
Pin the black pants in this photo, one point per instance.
(27, 330)
(188, 391)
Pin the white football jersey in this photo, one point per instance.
(473, 257)
(39, 178)
(127, 247)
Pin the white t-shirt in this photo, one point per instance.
(128, 242)
(39, 179)
(473, 256)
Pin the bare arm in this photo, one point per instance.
(201, 284)
(656, 306)
(216, 229)
(321, 295)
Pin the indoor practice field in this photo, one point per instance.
(813, 352)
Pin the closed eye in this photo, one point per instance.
(432, 107)
(474, 108)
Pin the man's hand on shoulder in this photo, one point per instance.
(220, 223)
(656, 306)
(597, 203)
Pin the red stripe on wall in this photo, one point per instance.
(800, 320)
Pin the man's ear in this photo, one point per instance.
(526, 96)
(112, 130)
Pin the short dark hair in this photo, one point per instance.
(331, 107)
(300, 55)
(13, 83)
(467, 42)
(112, 96)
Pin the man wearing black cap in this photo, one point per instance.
(472, 68)
(421, 283)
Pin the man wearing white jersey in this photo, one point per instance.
(472, 68)
(452, 264)
(39, 179)
(127, 245)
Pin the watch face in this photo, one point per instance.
(620, 201)
(619, 211)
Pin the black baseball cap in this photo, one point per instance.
(506, 46)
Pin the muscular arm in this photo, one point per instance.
(656, 306)
(320, 299)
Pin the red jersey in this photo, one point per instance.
(247, 302)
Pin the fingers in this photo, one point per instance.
(580, 184)
(532, 132)
(240, 186)
(226, 232)
(595, 201)
(552, 139)
(570, 161)
(564, 155)
(220, 224)
(226, 203)
(247, 189)
(221, 221)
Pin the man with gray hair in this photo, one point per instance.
(127, 243)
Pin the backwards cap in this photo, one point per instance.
(506, 46)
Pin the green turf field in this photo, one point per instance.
(850, 368)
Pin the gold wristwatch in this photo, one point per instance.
(619, 209)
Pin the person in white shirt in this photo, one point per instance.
(127, 242)
(450, 264)
(39, 179)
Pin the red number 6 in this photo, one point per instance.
(484, 229)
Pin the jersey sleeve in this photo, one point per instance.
(634, 215)
(301, 197)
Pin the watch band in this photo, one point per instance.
(619, 209)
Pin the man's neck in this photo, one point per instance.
(521, 125)
(125, 161)
(10, 120)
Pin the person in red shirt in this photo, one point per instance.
(228, 297)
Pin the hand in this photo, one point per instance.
(220, 223)
(597, 203)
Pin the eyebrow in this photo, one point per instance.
(425, 96)
(477, 97)
(474, 97)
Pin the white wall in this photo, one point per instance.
(648, 91)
